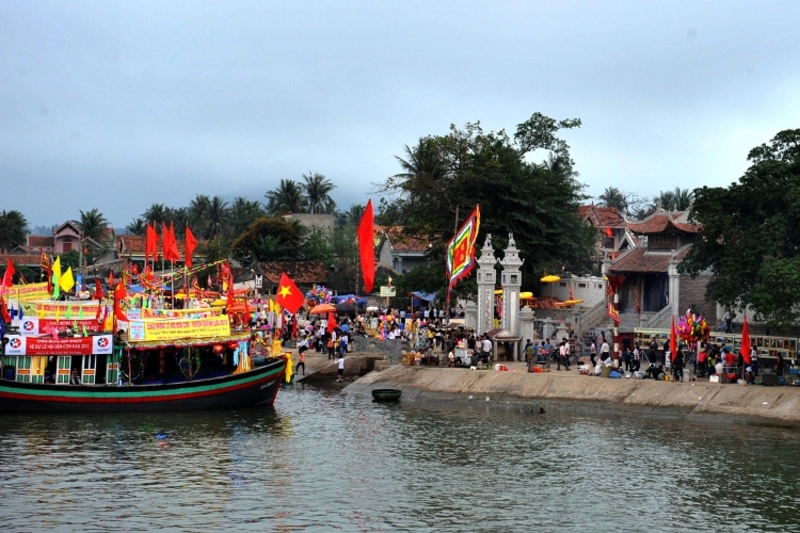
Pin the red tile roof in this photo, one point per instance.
(401, 242)
(659, 221)
(301, 272)
(20, 260)
(134, 244)
(640, 259)
(601, 216)
(40, 241)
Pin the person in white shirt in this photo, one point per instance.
(340, 367)
(486, 347)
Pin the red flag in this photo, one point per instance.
(4, 310)
(110, 278)
(609, 233)
(164, 241)
(612, 312)
(746, 341)
(331, 323)
(366, 247)
(98, 289)
(173, 244)
(119, 294)
(8, 277)
(191, 244)
(100, 316)
(288, 296)
(673, 342)
(151, 243)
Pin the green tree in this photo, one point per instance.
(137, 227)
(287, 198)
(317, 190)
(243, 213)
(156, 213)
(537, 202)
(677, 200)
(13, 229)
(613, 197)
(351, 217)
(93, 225)
(749, 239)
(254, 245)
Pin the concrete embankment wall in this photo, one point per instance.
(748, 404)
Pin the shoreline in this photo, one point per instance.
(695, 400)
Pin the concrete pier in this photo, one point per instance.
(745, 404)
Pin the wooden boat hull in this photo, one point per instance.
(248, 389)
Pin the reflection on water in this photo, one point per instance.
(319, 461)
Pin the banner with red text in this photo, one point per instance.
(23, 345)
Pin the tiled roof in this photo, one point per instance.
(134, 244)
(601, 216)
(660, 221)
(402, 242)
(640, 259)
(20, 260)
(301, 272)
(40, 241)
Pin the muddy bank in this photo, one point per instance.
(700, 399)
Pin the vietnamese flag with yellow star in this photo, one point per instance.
(288, 295)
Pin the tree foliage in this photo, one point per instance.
(267, 239)
(444, 177)
(13, 229)
(750, 241)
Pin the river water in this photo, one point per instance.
(321, 460)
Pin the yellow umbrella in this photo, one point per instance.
(525, 295)
(498, 291)
(550, 278)
(572, 302)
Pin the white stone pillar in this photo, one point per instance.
(512, 281)
(487, 277)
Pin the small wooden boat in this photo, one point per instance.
(386, 395)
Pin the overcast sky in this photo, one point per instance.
(119, 105)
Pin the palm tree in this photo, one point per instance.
(286, 199)
(317, 188)
(198, 213)
(677, 200)
(613, 197)
(137, 227)
(93, 225)
(13, 229)
(179, 217)
(156, 213)
(350, 217)
(219, 218)
(424, 171)
(243, 213)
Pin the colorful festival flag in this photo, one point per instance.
(56, 278)
(8, 277)
(673, 342)
(151, 243)
(67, 281)
(746, 347)
(191, 244)
(461, 249)
(613, 313)
(288, 295)
(366, 247)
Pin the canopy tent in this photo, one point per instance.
(359, 301)
(427, 296)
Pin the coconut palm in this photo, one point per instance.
(137, 227)
(93, 225)
(156, 213)
(677, 200)
(286, 199)
(219, 219)
(243, 213)
(613, 197)
(317, 189)
(13, 229)
(424, 171)
(351, 217)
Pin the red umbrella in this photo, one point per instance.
(322, 309)
(673, 343)
(746, 341)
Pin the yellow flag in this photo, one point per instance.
(289, 370)
(67, 281)
(57, 267)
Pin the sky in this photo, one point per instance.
(119, 105)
